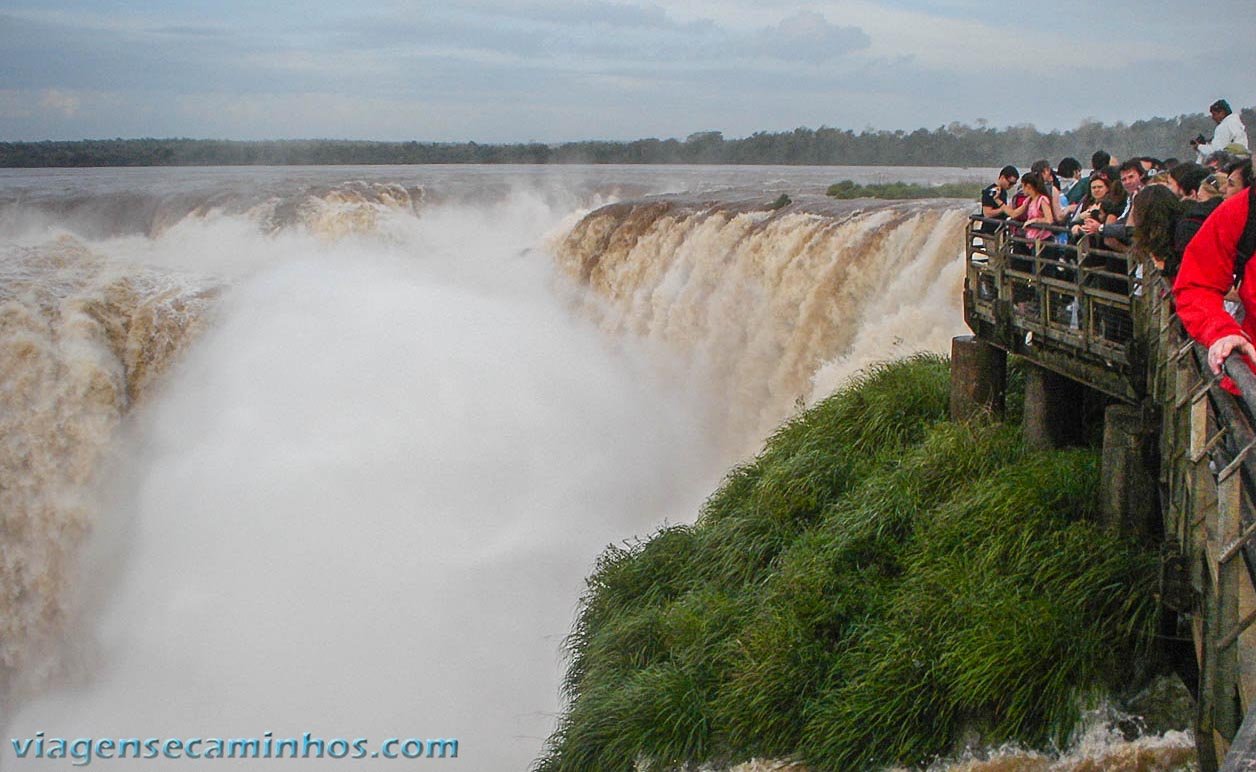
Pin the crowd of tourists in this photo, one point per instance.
(1189, 218)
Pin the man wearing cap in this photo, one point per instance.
(1230, 131)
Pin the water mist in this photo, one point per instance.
(363, 503)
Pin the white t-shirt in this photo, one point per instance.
(1229, 132)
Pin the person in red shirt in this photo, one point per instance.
(1207, 274)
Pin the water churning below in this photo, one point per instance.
(362, 503)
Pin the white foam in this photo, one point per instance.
(365, 502)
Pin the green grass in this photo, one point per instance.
(877, 582)
(904, 190)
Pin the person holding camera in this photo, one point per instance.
(1099, 204)
(1230, 131)
(1113, 232)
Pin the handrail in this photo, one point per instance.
(1237, 416)
(1244, 379)
(1129, 229)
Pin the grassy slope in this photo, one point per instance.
(876, 582)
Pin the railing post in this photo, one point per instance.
(1176, 458)
(1201, 510)
(1201, 483)
(1226, 530)
(1084, 308)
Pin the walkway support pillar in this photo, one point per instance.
(978, 378)
(1053, 409)
(1128, 506)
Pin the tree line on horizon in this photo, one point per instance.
(956, 144)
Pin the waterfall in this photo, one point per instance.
(81, 341)
(342, 453)
(773, 308)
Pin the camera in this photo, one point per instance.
(1199, 139)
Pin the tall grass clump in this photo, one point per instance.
(876, 583)
(904, 190)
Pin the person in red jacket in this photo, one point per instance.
(1207, 274)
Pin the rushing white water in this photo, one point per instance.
(364, 503)
(776, 308)
(81, 340)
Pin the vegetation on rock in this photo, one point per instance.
(877, 582)
(905, 190)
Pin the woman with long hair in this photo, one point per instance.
(1035, 208)
(1154, 215)
(1043, 169)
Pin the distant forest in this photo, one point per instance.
(954, 145)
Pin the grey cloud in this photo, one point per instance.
(432, 56)
(598, 30)
(809, 37)
(591, 33)
(601, 13)
(804, 37)
(438, 30)
(38, 55)
(612, 14)
(62, 55)
(192, 31)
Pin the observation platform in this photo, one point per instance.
(1102, 342)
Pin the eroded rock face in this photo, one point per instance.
(1162, 706)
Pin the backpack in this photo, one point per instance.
(1247, 242)
(1187, 225)
(1190, 221)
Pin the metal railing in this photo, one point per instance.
(1065, 306)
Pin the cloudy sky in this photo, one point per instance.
(556, 70)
